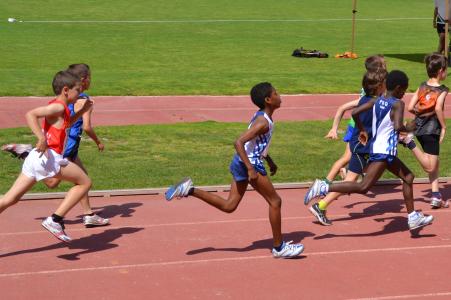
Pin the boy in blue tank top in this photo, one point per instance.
(374, 85)
(388, 115)
(247, 167)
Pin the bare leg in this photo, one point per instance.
(264, 187)
(374, 172)
(229, 205)
(84, 202)
(74, 174)
(340, 163)
(22, 185)
(51, 183)
(398, 168)
(430, 164)
(441, 42)
(330, 197)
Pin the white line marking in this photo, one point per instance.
(203, 261)
(225, 21)
(406, 296)
(212, 222)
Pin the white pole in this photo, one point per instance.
(354, 11)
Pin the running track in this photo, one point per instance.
(168, 109)
(188, 250)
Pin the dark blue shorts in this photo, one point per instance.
(382, 157)
(358, 163)
(348, 134)
(71, 150)
(239, 170)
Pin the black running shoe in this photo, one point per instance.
(320, 215)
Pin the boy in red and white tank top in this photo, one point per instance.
(46, 159)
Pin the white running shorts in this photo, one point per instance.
(46, 166)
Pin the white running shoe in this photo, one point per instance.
(319, 188)
(180, 189)
(95, 220)
(56, 229)
(288, 250)
(20, 151)
(419, 220)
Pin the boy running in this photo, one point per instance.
(46, 160)
(247, 167)
(388, 113)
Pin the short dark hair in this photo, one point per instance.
(79, 70)
(260, 92)
(434, 63)
(372, 80)
(62, 79)
(374, 63)
(396, 78)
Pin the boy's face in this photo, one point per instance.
(274, 99)
(86, 82)
(399, 92)
(443, 74)
(73, 93)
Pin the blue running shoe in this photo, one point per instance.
(180, 189)
(319, 188)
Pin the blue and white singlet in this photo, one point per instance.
(385, 138)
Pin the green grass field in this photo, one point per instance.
(159, 155)
(250, 41)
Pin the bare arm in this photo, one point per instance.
(338, 115)
(441, 114)
(271, 164)
(260, 126)
(85, 105)
(397, 115)
(413, 102)
(51, 112)
(363, 135)
(87, 127)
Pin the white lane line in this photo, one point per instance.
(214, 260)
(212, 222)
(226, 21)
(443, 294)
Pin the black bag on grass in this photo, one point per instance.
(301, 52)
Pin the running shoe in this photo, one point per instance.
(288, 250)
(318, 189)
(438, 203)
(20, 151)
(406, 140)
(56, 229)
(419, 220)
(94, 220)
(180, 189)
(320, 215)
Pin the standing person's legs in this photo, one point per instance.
(22, 185)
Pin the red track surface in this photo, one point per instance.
(188, 250)
(167, 109)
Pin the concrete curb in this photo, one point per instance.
(215, 188)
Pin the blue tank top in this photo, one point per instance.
(76, 129)
(367, 120)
